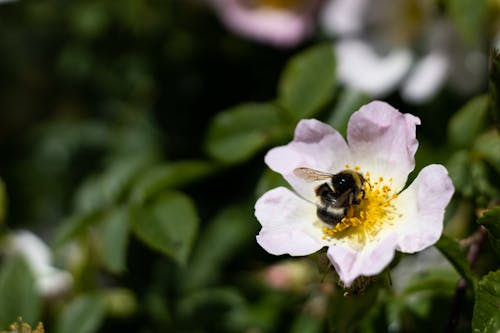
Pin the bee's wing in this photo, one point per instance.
(311, 175)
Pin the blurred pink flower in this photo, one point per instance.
(281, 23)
(381, 145)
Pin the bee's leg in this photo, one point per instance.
(364, 193)
(349, 212)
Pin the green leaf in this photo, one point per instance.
(459, 170)
(208, 300)
(237, 134)
(115, 229)
(349, 102)
(452, 251)
(167, 223)
(18, 292)
(3, 201)
(487, 145)
(491, 221)
(346, 310)
(466, 124)
(468, 17)
(486, 315)
(307, 323)
(83, 315)
(308, 83)
(232, 229)
(172, 175)
(75, 226)
(109, 187)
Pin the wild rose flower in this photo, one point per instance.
(281, 23)
(381, 145)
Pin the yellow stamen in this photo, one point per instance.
(347, 166)
(357, 168)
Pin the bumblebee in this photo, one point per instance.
(336, 197)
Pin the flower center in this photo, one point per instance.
(367, 218)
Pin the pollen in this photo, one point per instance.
(365, 220)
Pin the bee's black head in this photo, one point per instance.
(343, 182)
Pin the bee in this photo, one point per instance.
(336, 197)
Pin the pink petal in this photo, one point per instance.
(315, 145)
(287, 224)
(383, 141)
(350, 263)
(282, 28)
(424, 202)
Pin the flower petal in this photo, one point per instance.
(350, 263)
(287, 224)
(383, 141)
(343, 17)
(315, 145)
(426, 78)
(361, 68)
(423, 204)
(282, 28)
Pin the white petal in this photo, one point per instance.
(383, 142)
(287, 224)
(33, 249)
(426, 78)
(54, 282)
(371, 259)
(341, 17)
(361, 68)
(422, 205)
(315, 145)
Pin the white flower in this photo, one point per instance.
(381, 145)
(378, 43)
(50, 280)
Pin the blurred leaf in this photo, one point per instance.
(3, 201)
(207, 302)
(346, 310)
(269, 180)
(172, 175)
(466, 124)
(349, 102)
(167, 223)
(108, 188)
(470, 175)
(83, 315)
(491, 221)
(486, 315)
(307, 323)
(75, 226)
(238, 133)
(459, 171)
(114, 231)
(18, 292)
(456, 256)
(120, 302)
(469, 18)
(308, 82)
(226, 235)
(487, 145)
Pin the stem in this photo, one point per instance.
(475, 243)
